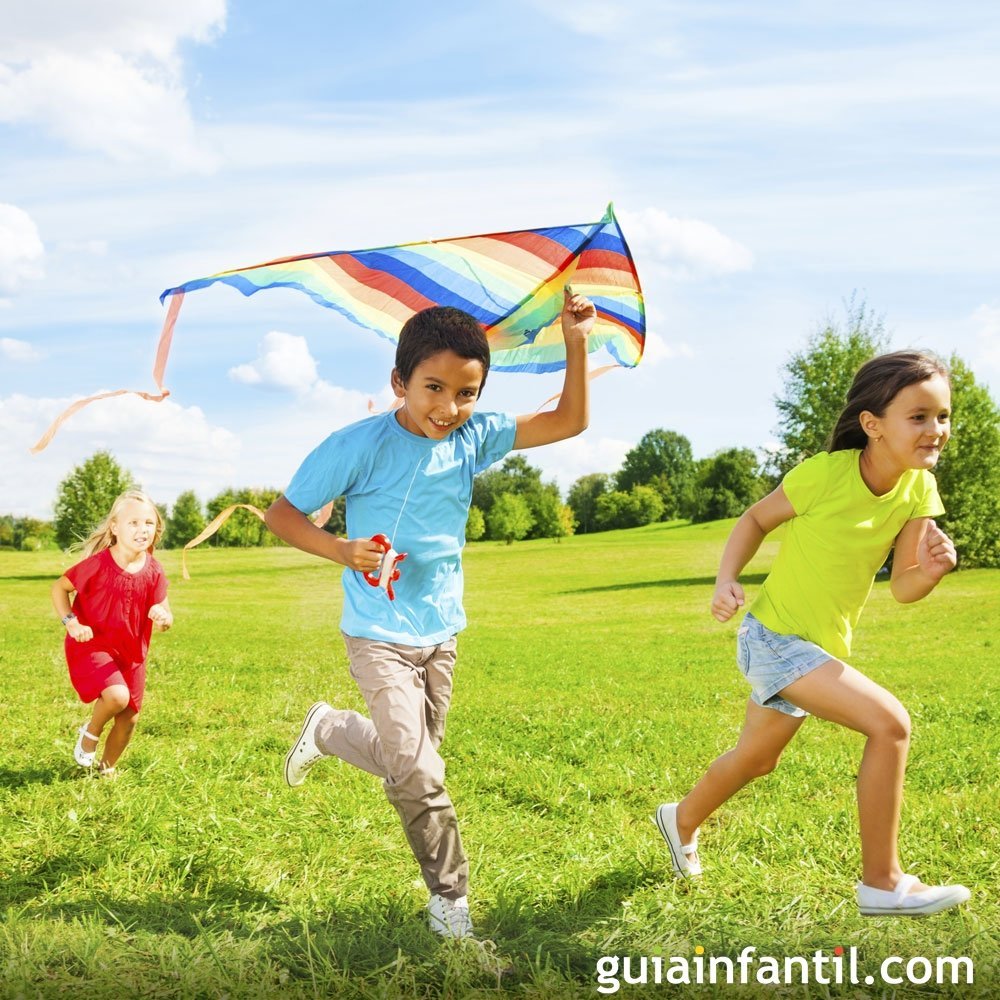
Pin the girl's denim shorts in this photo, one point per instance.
(771, 661)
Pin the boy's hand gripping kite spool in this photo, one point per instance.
(387, 572)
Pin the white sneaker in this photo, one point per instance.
(304, 752)
(683, 857)
(450, 917)
(900, 902)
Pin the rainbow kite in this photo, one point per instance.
(511, 282)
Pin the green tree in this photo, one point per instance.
(85, 497)
(817, 380)
(968, 472)
(550, 516)
(662, 459)
(42, 533)
(618, 509)
(475, 525)
(582, 500)
(509, 518)
(727, 483)
(515, 476)
(185, 522)
(243, 529)
(567, 521)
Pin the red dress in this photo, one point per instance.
(115, 604)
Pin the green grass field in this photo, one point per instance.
(592, 684)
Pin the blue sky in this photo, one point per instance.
(766, 161)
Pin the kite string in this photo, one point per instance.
(402, 506)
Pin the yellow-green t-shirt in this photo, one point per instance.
(833, 547)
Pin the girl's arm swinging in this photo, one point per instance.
(749, 531)
(923, 554)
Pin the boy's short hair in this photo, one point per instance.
(441, 328)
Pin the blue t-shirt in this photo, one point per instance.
(387, 475)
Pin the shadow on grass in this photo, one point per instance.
(677, 581)
(384, 941)
(228, 906)
(516, 939)
(9, 778)
(550, 935)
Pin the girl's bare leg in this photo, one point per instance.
(121, 733)
(766, 732)
(841, 694)
(112, 700)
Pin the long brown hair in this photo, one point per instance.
(102, 536)
(876, 384)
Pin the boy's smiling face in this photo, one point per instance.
(440, 394)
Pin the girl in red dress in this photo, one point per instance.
(121, 596)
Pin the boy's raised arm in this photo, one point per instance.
(572, 412)
(292, 526)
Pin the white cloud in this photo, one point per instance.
(987, 322)
(657, 348)
(167, 447)
(106, 76)
(21, 249)
(131, 26)
(565, 461)
(19, 350)
(283, 362)
(687, 248)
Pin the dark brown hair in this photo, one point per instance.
(876, 384)
(440, 328)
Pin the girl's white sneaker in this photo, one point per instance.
(900, 902)
(683, 857)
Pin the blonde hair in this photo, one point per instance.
(102, 537)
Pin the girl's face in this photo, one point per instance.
(440, 395)
(915, 425)
(134, 526)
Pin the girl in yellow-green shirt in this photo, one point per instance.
(845, 508)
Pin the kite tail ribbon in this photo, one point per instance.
(212, 527)
(159, 366)
(319, 519)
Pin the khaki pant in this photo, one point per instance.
(407, 690)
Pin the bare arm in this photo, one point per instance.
(572, 412)
(923, 555)
(749, 531)
(292, 526)
(61, 590)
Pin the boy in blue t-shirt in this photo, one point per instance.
(408, 475)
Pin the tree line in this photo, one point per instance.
(659, 479)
